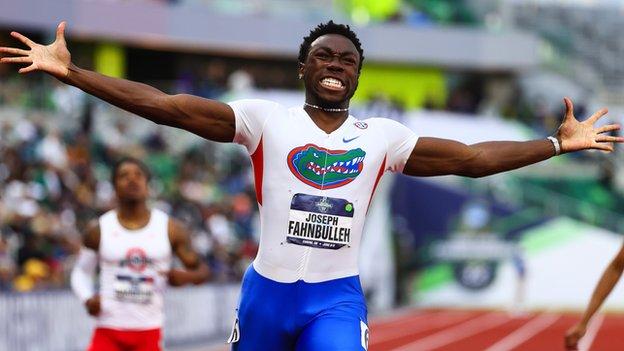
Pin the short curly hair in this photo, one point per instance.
(330, 28)
(127, 159)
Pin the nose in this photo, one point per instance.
(335, 65)
(134, 179)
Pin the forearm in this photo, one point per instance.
(138, 98)
(198, 275)
(608, 280)
(435, 157)
(189, 275)
(83, 273)
(499, 156)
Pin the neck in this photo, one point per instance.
(133, 214)
(326, 109)
(326, 120)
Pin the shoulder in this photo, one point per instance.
(382, 122)
(253, 105)
(383, 126)
(177, 231)
(92, 235)
(160, 214)
(109, 216)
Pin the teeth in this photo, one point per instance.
(331, 82)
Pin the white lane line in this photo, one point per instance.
(412, 327)
(400, 318)
(458, 332)
(524, 333)
(592, 331)
(402, 313)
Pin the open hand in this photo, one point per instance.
(54, 59)
(574, 135)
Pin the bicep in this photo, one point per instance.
(91, 239)
(435, 156)
(207, 118)
(181, 245)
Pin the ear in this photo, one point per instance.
(301, 69)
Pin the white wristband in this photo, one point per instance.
(555, 143)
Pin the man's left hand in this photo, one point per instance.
(574, 135)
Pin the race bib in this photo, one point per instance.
(134, 289)
(320, 221)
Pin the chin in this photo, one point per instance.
(134, 198)
(332, 100)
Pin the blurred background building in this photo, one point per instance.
(467, 70)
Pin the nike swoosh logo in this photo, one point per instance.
(344, 140)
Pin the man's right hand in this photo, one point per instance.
(574, 335)
(93, 305)
(54, 59)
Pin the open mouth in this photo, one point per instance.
(332, 84)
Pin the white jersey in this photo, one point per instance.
(314, 188)
(132, 263)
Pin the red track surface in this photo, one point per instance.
(460, 330)
(440, 330)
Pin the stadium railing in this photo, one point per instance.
(56, 321)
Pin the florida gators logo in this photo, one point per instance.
(325, 169)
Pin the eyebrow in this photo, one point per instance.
(345, 53)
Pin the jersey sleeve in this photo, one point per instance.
(400, 140)
(251, 116)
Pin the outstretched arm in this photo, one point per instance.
(609, 278)
(210, 119)
(432, 156)
(196, 271)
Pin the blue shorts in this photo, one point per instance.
(328, 316)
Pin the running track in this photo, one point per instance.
(453, 330)
(444, 330)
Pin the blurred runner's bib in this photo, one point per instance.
(134, 289)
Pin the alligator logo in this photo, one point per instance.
(325, 169)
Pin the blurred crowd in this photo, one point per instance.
(55, 178)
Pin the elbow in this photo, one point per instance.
(475, 174)
(162, 109)
(476, 170)
(73, 280)
(474, 165)
(617, 265)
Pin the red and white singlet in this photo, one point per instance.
(133, 266)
